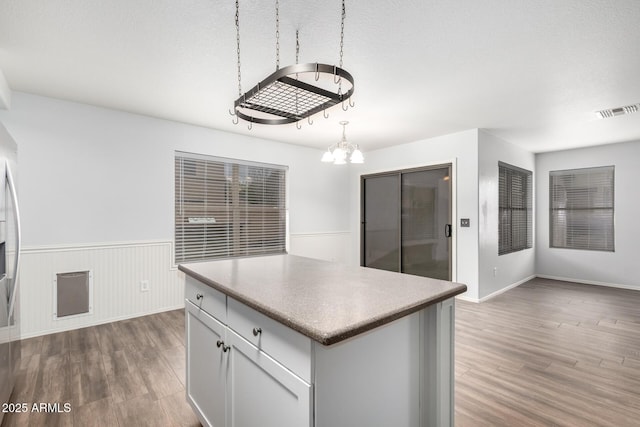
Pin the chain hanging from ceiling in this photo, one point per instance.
(295, 92)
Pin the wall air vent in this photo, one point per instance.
(72, 294)
(627, 109)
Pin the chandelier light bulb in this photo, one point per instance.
(356, 156)
(342, 151)
(327, 157)
(340, 156)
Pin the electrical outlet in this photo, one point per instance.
(144, 286)
(495, 271)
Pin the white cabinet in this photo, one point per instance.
(206, 366)
(281, 343)
(233, 383)
(207, 298)
(262, 392)
(247, 370)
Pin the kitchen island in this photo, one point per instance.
(288, 341)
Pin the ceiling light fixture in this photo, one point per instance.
(339, 153)
(620, 111)
(295, 92)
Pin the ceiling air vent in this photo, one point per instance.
(627, 109)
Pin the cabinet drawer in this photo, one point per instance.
(206, 298)
(288, 347)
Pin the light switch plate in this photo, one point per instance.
(465, 222)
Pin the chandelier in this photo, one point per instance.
(339, 153)
(295, 92)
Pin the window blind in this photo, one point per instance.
(581, 203)
(515, 221)
(227, 208)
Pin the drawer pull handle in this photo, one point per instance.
(199, 296)
(257, 331)
(225, 348)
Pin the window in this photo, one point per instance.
(515, 222)
(226, 208)
(581, 208)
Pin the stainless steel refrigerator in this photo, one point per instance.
(9, 267)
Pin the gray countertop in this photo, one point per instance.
(325, 301)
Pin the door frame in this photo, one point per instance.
(452, 163)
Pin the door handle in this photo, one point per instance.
(16, 212)
(447, 230)
(225, 347)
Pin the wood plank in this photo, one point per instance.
(83, 340)
(176, 357)
(174, 320)
(123, 375)
(549, 353)
(109, 338)
(179, 411)
(55, 344)
(53, 383)
(100, 413)
(134, 334)
(88, 378)
(156, 373)
(161, 334)
(143, 411)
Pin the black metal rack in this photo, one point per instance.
(283, 98)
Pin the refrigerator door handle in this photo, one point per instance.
(16, 216)
(4, 288)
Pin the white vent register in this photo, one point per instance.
(619, 111)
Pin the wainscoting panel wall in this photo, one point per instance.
(119, 273)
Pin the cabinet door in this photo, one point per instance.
(261, 392)
(206, 366)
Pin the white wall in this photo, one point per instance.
(100, 181)
(611, 268)
(514, 268)
(96, 175)
(461, 149)
(5, 93)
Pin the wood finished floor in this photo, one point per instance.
(549, 353)
(127, 373)
(546, 353)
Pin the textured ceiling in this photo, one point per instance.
(530, 71)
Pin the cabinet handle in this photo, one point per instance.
(257, 331)
(199, 296)
(225, 348)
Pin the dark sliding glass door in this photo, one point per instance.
(381, 226)
(406, 221)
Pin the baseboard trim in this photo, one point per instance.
(589, 282)
(505, 289)
(545, 276)
(99, 322)
(469, 299)
(496, 293)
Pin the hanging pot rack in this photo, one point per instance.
(289, 98)
(295, 92)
